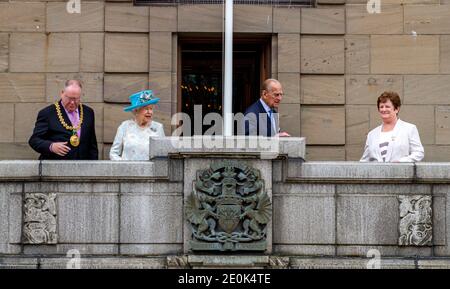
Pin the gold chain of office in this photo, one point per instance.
(64, 124)
(74, 139)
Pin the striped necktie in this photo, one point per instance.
(270, 121)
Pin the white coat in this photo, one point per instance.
(132, 142)
(404, 147)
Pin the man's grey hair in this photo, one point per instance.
(267, 84)
(72, 82)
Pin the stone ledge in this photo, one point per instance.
(386, 251)
(106, 263)
(224, 261)
(73, 187)
(18, 263)
(61, 250)
(434, 264)
(348, 171)
(150, 249)
(9, 248)
(19, 169)
(237, 146)
(159, 167)
(163, 262)
(103, 169)
(433, 171)
(349, 263)
(304, 250)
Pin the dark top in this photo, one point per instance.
(48, 129)
(263, 125)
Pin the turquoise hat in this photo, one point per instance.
(140, 99)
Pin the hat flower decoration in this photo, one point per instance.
(141, 99)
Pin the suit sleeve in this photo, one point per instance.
(416, 151)
(93, 149)
(38, 139)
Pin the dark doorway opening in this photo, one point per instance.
(200, 73)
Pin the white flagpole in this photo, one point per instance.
(228, 75)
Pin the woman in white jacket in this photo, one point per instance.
(394, 140)
(133, 136)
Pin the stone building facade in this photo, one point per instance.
(333, 60)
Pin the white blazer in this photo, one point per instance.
(132, 142)
(404, 147)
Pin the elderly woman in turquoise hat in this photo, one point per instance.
(132, 137)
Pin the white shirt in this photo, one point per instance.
(384, 141)
(132, 141)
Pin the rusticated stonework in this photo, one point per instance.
(228, 209)
(39, 225)
(416, 227)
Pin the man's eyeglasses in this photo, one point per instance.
(276, 95)
(70, 99)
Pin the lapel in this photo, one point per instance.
(271, 130)
(67, 120)
(376, 144)
(263, 126)
(65, 117)
(83, 125)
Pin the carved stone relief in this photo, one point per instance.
(416, 227)
(39, 225)
(228, 209)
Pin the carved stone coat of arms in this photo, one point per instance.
(228, 209)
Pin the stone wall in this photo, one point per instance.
(130, 214)
(334, 60)
(347, 208)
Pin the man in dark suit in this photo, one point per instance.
(65, 130)
(261, 118)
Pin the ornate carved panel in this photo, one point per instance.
(228, 209)
(416, 227)
(39, 222)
